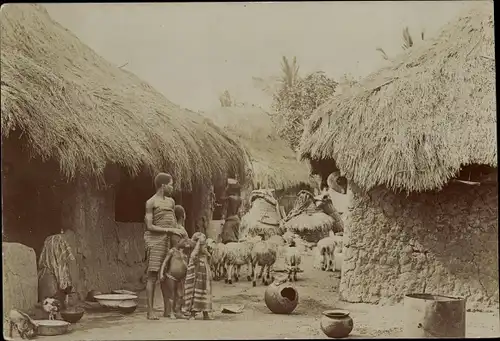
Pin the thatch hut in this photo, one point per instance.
(270, 162)
(417, 139)
(81, 141)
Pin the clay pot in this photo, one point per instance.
(336, 323)
(91, 294)
(281, 297)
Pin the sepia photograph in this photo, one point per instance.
(249, 170)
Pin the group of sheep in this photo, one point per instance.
(327, 248)
(227, 259)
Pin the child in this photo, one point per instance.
(173, 260)
(198, 285)
(172, 275)
(180, 217)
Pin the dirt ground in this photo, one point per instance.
(317, 292)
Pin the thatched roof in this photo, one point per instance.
(414, 124)
(272, 162)
(74, 106)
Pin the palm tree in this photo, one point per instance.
(290, 72)
(407, 42)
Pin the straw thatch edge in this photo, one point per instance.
(414, 124)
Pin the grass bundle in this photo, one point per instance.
(263, 216)
(312, 227)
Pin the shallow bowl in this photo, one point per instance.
(52, 327)
(115, 300)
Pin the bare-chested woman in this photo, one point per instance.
(160, 222)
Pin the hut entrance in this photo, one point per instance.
(32, 197)
(132, 193)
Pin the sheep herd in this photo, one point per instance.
(228, 259)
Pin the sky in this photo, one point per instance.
(192, 52)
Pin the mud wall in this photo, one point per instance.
(442, 243)
(109, 254)
(20, 280)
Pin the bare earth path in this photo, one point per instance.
(317, 292)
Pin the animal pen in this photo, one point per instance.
(417, 139)
(81, 143)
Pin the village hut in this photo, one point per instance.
(81, 142)
(417, 140)
(271, 165)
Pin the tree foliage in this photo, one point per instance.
(408, 42)
(294, 102)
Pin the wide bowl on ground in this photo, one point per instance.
(115, 300)
(72, 315)
(52, 327)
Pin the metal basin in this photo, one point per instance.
(52, 327)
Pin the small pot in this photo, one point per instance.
(72, 315)
(336, 323)
(127, 307)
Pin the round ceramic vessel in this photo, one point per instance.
(72, 315)
(336, 323)
(281, 298)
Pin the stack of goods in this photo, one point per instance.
(263, 217)
(312, 218)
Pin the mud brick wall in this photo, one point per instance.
(442, 242)
(20, 280)
(108, 254)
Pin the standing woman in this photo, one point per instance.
(198, 283)
(232, 203)
(160, 221)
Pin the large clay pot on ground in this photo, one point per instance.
(281, 297)
(336, 323)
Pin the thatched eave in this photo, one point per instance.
(270, 161)
(75, 107)
(414, 124)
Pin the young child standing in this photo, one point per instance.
(198, 284)
(174, 266)
(172, 275)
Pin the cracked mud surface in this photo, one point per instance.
(317, 292)
(441, 243)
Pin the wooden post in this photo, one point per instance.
(434, 316)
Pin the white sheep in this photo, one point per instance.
(264, 254)
(292, 259)
(326, 249)
(218, 253)
(238, 254)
